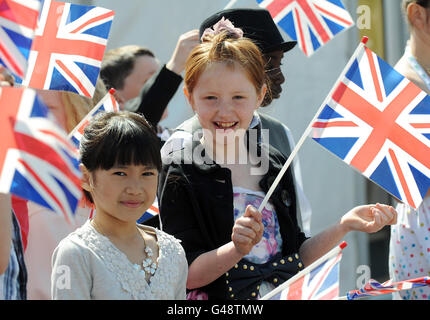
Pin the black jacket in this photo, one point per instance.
(156, 95)
(196, 206)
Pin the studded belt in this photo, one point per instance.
(244, 279)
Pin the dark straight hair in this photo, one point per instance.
(118, 64)
(119, 138)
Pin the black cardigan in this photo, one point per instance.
(156, 95)
(196, 206)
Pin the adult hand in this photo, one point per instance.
(247, 230)
(369, 218)
(184, 46)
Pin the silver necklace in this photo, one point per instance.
(149, 267)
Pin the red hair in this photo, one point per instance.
(225, 47)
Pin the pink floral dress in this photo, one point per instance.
(271, 242)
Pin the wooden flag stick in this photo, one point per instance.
(309, 128)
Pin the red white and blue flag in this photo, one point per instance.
(312, 23)
(68, 47)
(319, 281)
(106, 104)
(37, 161)
(374, 288)
(378, 122)
(153, 211)
(18, 22)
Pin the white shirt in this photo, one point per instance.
(87, 265)
(46, 230)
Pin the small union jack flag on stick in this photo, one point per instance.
(37, 161)
(319, 281)
(378, 122)
(18, 22)
(106, 104)
(312, 23)
(374, 288)
(68, 47)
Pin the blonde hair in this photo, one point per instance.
(225, 47)
(76, 107)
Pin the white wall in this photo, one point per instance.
(332, 186)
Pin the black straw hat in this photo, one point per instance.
(257, 25)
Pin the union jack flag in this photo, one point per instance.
(18, 22)
(374, 288)
(107, 104)
(312, 23)
(68, 47)
(37, 161)
(319, 281)
(379, 122)
(153, 211)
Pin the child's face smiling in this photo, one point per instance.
(124, 192)
(225, 99)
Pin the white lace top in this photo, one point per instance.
(87, 265)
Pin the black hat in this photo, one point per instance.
(257, 25)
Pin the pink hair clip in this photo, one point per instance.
(223, 24)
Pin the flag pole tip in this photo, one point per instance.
(112, 91)
(343, 245)
(365, 39)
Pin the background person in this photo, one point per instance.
(409, 256)
(142, 85)
(13, 271)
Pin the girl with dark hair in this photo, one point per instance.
(46, 228)
(110, 256)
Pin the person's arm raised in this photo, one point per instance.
(184, 46)
(162, 86)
